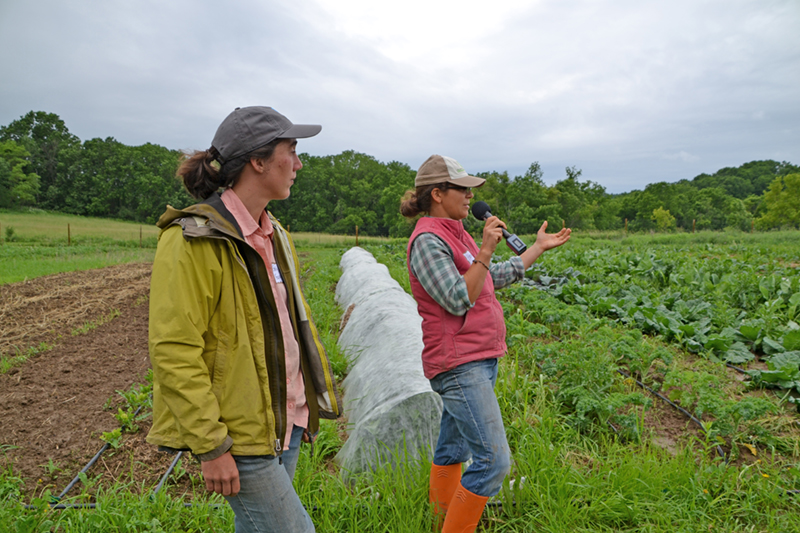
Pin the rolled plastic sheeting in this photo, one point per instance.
(392, 412)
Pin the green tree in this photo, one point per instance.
(110, 179)
(751, 178)
(714, 209)
(580, 202)
(782, 201)
(51, 147)
(525, 197)
(663, 220)
(337, 193)
(401, 179)
(17, 188)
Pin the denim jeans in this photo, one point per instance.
(291, 455)
(267, 501)
(472, 426)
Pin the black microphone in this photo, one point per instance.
(481, 211)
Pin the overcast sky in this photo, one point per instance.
(629, 91)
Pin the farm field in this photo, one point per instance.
(38, 243)
(596, 451)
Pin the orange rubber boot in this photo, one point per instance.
(444, 482)
(465, 512)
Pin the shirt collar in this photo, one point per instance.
(242, 216)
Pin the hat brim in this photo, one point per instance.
(466, 181)
(300, 131)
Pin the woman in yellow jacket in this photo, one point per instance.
(240, 376)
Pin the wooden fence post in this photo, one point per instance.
(356, 235)
(693, 221)
(752, 226)
(626, 226)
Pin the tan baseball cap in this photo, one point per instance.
(440, 169)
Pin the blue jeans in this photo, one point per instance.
(267, 501)
(472, 426)
(291, 455)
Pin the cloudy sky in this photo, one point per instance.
(629, 91)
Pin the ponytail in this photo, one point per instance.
(418, 201)
(203, 175)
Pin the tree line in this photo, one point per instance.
(45, 166)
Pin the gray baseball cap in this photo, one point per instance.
(248, 128)
(440, 169)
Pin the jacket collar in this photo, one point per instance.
(212, 209)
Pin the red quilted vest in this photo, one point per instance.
(452, 340)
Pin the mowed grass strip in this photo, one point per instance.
(51, 228)
(37, 243)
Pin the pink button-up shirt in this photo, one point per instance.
(259, 236)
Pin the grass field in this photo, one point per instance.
(37, 243)
(577, 477)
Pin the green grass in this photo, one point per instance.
(35, 243)
(51, 228)
(316, 240)
(577, 477)
(9, 362)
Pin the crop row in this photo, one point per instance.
(606, 309)
(580, 356)
(726, 303)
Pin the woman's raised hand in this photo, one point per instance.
(548, 241)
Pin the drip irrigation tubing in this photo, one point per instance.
(55, 499)
(720, 451)
(63, 506)
(83, 471)
(686, 413)
(168, 472)
(739, 370)
(691, 417)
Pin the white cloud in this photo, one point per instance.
(630, 91)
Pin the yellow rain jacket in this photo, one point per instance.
(215, 339)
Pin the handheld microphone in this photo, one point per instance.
(480, 210)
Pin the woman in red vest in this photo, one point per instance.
(463, 333)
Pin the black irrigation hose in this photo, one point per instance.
(78, 477)
(739, 370)
(168, 472)
(691, 417)
(720, 451)
(54, 503)
(62, 506)
(670, 402)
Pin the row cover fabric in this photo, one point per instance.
(392, 412)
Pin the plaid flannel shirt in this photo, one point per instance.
(432, 264)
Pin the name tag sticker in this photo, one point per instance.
(469, 256)
(277, 273)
